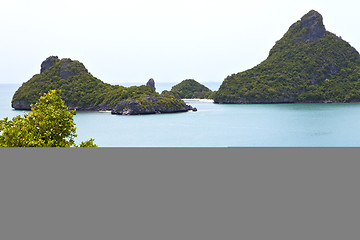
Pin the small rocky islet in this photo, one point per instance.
(83, 92)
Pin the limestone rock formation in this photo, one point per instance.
(82, 91)
(308, 64)
(151, 84)
(48, 63)
(315, 27)
(136, 107)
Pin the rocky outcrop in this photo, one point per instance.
(151, 84)
(21, 105)
(136, 107)
(65, 71)
(48, 63)
(314, 27)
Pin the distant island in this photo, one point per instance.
(189, 89)
(82, 91)
(307, 65)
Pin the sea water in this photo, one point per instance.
(218, 125)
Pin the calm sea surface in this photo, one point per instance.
(214, 125)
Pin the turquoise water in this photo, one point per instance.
(214, 125)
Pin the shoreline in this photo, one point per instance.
(102, 111)
(198, 99)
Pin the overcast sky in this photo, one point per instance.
(134, 40)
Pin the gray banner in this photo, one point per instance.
(180, 193)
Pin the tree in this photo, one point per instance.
(50, 124)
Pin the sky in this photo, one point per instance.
(167, 40)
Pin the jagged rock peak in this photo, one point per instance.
(151, 84)
(313, 27)
(48, 63)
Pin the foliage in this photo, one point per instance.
(50, 124)
(170, 103)
(188, 88)
(327, 69)
(88, 143)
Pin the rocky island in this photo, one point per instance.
(307, 65)
(82, 91)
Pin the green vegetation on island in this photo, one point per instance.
(82, 91)
(309, 64)
(189, 88)
(50, 124)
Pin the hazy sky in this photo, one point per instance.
(134, 40)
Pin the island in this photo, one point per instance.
(83, 92)
(189, 89)
(307, 65)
